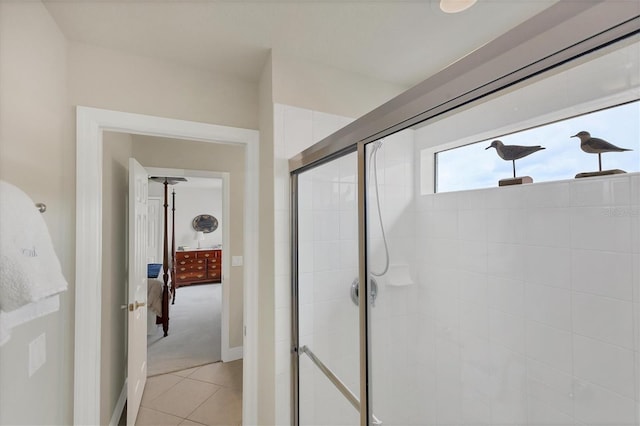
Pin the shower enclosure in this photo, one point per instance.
(515, 305)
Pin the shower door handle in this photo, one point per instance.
(373, 291)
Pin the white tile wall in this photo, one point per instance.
(548, 301)
(322, 253)
(526, 305)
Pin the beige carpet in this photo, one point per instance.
(194, 331)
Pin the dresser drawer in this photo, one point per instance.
(187, 262)
(183, 255)
(191, 267)
(190, 276)
(207, 254)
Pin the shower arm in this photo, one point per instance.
(339, 384)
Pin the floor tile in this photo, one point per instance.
(185, 373)
(148, 417)
(228, 374)
(158, 385)
(183, 398)
(187, 422)
(223, 408)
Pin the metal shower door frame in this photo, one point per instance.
(565, 31)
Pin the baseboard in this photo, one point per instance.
(117, 411)
(233, 354)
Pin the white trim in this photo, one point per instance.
(227, 252)
(90, 124)
(234, 354)
(117, 411)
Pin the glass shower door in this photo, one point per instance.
(327, 264)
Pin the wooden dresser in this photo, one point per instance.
(198, 266)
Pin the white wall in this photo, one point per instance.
(191, 202)
(528, 304)
(320, 87)
(37, 153)
(110, 79)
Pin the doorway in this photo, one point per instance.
(200, 312)
(91, 123)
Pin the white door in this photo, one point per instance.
(138, 228)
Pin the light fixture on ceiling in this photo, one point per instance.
(455, 6)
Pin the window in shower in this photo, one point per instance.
(473, 166)
(599, 95)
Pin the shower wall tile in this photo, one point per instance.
(560, 402)
(604, 364)
(560, 258)
(442, 223)
(472, 225)
(541, 414)
(506, 261)
(605, 319)
(326, 225)
(473, 287)
(506, 295)
(600, 228)
(602, 273)
(548, 227)
(634, 186)
(474, 320)
(475, 200)
(475, 411)
(283, 291)
(505, 198)
(548, 305)
(508, 405)
(595, 405)
(506, 225)
(507, 330)
(549, 345)
(548, 266)
(634, 211)
(472, 256)
(445, 201)
(546, 195)
(601, 192)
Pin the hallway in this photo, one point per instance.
(207, 395)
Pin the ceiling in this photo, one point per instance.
(400, 42)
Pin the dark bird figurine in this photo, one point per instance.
(513, 152)
(596, 146)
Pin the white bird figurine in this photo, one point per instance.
(596, 146)
(513, 152)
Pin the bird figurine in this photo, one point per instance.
(596, 146)
(513, 152)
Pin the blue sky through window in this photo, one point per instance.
(472, 167)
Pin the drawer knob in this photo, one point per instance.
(186, 256)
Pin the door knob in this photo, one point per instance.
(135, 305)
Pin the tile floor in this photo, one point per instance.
(206, 395)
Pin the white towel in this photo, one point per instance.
(29, 268)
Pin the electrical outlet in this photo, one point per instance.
(236, 260)
(37, 353)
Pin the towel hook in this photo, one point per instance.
(42, 207)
